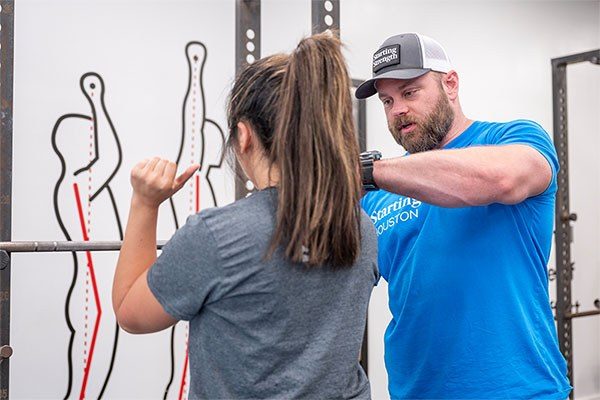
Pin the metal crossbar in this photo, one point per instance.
(46, 246)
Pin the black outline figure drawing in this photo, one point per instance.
(90, 155)
(202, 140)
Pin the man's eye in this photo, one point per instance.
(409, 93)
(386, 102)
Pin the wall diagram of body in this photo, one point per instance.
(102, 360)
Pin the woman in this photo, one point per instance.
(276, 285)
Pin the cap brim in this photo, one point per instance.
(367, 88)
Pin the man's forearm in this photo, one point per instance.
(466, 177)
(138, 251)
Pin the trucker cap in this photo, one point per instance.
(405, 56)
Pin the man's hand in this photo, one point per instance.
(154, 180)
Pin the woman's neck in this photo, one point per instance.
(265, 176)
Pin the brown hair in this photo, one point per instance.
(301, 110)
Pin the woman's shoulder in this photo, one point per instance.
(254, 213)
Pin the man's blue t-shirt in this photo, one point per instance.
(468, 288)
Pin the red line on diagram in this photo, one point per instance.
(185, 366)
(96, 295)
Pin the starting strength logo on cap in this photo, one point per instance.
(386, 56)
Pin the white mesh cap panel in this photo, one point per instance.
(434, 55)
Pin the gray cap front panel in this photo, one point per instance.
(410, 52)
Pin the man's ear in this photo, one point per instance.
(244, 137)
(450, 85)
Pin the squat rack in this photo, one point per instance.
(325, 16)
(6, 127)
(564, 231)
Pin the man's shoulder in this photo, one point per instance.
(491, 132)
(515, 124)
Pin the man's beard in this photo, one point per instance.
(428, 133)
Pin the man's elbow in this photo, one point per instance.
(499, 189)
(514, 189)
(511, 190)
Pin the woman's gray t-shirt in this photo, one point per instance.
(264, 328)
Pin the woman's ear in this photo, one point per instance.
(244, 137)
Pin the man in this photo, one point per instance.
(465, 226)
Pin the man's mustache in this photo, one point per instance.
(399, 122)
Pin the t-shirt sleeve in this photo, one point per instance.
(531, 134)
(187, 272)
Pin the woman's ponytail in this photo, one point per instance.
(315, 148)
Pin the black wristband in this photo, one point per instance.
(367, 159)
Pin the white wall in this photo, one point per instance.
(138, 47)
(502, 52)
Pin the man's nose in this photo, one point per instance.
(399, 108)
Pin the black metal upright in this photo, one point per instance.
(563, 215)
(361, 117)
(247, 50)
(325, 15)
(6, 132)
(360, 108)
